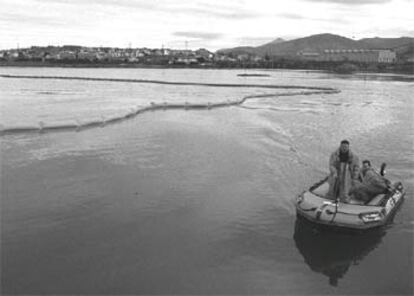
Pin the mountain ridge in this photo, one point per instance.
(320, 42)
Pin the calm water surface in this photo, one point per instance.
(195, 201)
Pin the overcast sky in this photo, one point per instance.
(211, 24)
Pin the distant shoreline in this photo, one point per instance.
(88, 65)
(397, 69)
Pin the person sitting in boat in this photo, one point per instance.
(369, 183)
(344, 169)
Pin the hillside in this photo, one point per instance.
(237, 50)
(386, 43)
(246, 49)
(317, 43)
(277, 40)
(403, 46)
(314, 43)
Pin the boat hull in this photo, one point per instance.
(315, 207)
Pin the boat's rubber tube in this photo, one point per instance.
(329, 212)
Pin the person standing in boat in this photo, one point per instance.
(344, 169)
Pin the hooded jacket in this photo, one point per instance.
(335, 163)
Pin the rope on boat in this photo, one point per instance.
(309, 210)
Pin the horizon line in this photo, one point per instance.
(171, 48)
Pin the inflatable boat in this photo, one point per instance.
(314, 206)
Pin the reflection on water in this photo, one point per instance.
(332, 253)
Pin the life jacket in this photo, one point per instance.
(349, 161)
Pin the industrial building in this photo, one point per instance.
(351, 55)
